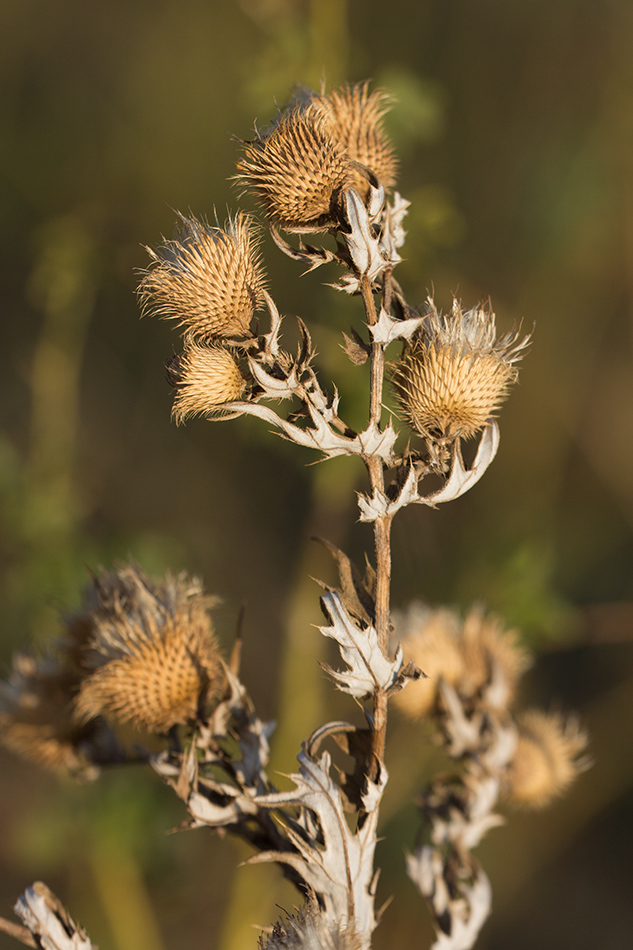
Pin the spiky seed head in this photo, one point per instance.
(36, 720)
(548, 757)
(477, 656)
(311, 929)
(354, 118)
(454, 374)
(494, 660)
(297, 171)
(431, 638)
(204, 378)
(153, 660)
(209, 280)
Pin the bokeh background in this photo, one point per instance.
(514, 124)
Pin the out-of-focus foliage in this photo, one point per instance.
(513, 123)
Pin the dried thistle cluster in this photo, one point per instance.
(144, 653)
(138, 652)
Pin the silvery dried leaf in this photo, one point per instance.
(387, 329)
(364, 248)
(368, 668)
(393, 234)
(462, 916)
(334, 861)
(48, 920)
(462, 479)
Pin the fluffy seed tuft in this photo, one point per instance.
(209, 280)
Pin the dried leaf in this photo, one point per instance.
(49, 921)
(355, 348)
(368, 668)
(334, 861)
(354, 593)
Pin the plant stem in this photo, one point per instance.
(382, 525)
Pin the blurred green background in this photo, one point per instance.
(514, 123)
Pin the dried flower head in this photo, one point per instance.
(36, 716)
(548, 757)
(311, 929)
(454, 374)
(210, 280)
(478, 657)
(353, 117)
(152, 660)
(205, 378)
(297, 170)
(432, 639)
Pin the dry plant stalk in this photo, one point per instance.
(144, 653)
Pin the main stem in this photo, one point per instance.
(382, 525)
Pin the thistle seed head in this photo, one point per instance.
(353, 116)
(35, 715)
(478, 657)
(205, 378)
(297, 171)
(431, 638)
(454, 374)
(548, 757)
(152, 660)
(209, 280)
(311, 929)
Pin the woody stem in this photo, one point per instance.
(382, 525)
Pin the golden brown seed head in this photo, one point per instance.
(35, 716)
(205, 378)
(297, 171)
(153, 660)
(209, 280)
(432, 639)
(454, 374)
(548, 757)
(478, 657)
(353, 116)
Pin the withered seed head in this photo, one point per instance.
(548, 757)
(297, 171)
(353, 116)
(205, 378)
(478, 657)
(35, 716)
(210, 280)
(153, 660)
(454, 374)
(310, 928)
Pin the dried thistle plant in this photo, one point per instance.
(143, 652)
